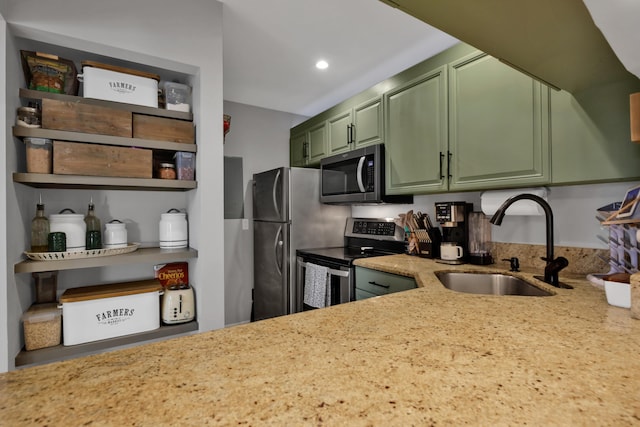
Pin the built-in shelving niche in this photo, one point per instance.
(49, 181)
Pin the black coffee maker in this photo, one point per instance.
(453, 218)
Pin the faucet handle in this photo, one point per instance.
(514, 263)
(553, 268)
(560, 261)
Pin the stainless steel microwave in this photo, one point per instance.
(356, 177)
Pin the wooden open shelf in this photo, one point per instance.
(140, 256)
(43, 180)
(60, 352)
(90, 138)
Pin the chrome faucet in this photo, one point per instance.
(554, 265)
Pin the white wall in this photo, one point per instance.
(183, 37)
(4, 337)
(261, 138)
(574, 210)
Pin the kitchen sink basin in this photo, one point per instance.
(489, 284)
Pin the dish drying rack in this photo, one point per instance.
(624, 248)
(422, 237)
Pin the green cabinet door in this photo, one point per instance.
(317, 143)
(498, 126)
(368, 127)
(340, 132)
(298, 150)
(416, 134)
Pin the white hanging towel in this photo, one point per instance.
(317, 293)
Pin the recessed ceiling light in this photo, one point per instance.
(322, 64)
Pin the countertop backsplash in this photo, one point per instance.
(581, 260)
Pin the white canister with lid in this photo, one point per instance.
(173, 230)
(73, 226)
(115, 235)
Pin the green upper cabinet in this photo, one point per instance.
(298, 150)
(416, 134)
(464, 121)
(356, 127)
(498, 126)
(308, 145)
(590, 134)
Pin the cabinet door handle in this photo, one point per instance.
(305, 149)
(352, 129)
(378, 284)
(449, 164)
(441, 157)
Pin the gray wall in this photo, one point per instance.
(261, 138)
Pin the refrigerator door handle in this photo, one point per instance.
(274, 193)
(277, 249)
(359, 173)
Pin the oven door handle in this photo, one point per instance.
(332, 272)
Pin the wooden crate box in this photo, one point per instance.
(163, 129)
(75, 158)
(86, 118)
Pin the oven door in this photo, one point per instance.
(340, 279)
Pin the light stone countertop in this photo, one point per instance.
(427, 356)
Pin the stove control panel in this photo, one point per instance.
(374, 228)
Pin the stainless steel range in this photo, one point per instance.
(363, 237)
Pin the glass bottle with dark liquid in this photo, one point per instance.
(39, 230)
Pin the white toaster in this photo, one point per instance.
(178, 305)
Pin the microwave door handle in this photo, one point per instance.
(274, 193)
(359, 173)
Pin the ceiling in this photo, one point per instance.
(271, 47)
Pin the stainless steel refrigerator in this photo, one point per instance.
(288, 215)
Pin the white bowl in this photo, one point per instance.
(618, 294)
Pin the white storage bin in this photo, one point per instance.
(109, 85)
(618, 294)
(93, 313)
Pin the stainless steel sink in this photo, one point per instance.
(489, 284)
